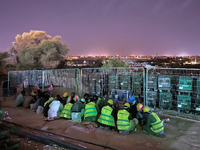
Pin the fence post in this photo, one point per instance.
(42, 80)
(8, 85)
(146, 86)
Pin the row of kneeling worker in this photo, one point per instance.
(103, 111)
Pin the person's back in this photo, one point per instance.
(54, 108)
(154, 125)
(77, 107)
(27, 101)
(78, 111)
(106, 119)
(46, 106)
(40, 101)
(66, 113)
(20, 99)
(90, 112)
(133, 106)
(125, 123)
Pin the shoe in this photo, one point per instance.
(101, 127)
(161, 135)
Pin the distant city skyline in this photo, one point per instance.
(107, 27)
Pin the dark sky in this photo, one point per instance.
(100, 27)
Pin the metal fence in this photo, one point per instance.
(62, 79)
(167, 88)
(105, 81)
(177, 89)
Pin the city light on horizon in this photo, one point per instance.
(108, 27)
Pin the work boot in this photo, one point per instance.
(161, 135)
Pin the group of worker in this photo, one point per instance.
(105, 112)
(109, 116)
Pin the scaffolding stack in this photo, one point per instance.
(184, 96)
(137, 85)
(165, 95)
(152, 90)
(197, 100)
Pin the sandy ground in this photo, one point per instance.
(182, 134)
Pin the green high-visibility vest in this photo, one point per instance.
(106, 117)
(90, 110)
(157, 126)
(66, 113)
(123, 122)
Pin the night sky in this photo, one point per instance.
(107, 27)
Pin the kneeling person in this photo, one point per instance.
(90, 112)
(108, 116)
(66, 113)
(154, 125)
(78, 110)
(125, 123)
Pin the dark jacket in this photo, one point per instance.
(77, 107)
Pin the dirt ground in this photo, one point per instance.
(181, 133)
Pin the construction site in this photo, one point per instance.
(172, 93)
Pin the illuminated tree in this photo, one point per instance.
(36, 49)
(113, 63)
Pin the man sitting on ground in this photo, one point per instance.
(154, 125)
(125, 122)
(20, 99)
(78, 110)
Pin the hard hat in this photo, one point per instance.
(83, 100)
(33, 94)
(146, 109)
(110, 101)
(139, 106)
(127, 105)
(131, 99)
(65, 94)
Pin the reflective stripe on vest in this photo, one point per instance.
(66, 113)
(76, 98)
(106, 117)
(122, 120)
(90, 110)
(157, 126)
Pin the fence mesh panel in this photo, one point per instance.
(101, 81)
(167, 88)
(176, 89)
(63, 80)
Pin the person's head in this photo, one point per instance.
(127, 106)
(139, 107)
(146, 109)
(82, 100)
(131, 100)
(95, 98)
(23, 93)
(110, 102)
(38, 91)
(47, 96)
(86, 96)
(58, 96)
(65, 94)
(73, 94)
(42, 94)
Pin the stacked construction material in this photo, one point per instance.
(152, 90)
(197, 100)
(184, 97)
(165, 96)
